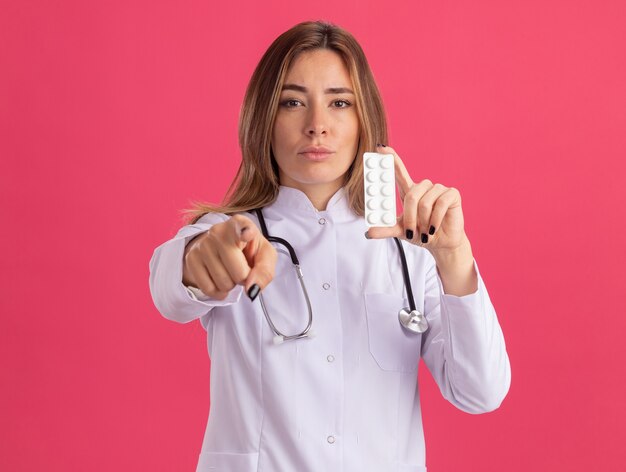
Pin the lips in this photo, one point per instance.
(316, 153)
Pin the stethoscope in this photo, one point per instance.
(410, 318)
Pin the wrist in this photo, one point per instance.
(456, 258)
(456, 269)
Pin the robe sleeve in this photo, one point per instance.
(171, 298)
(464, 347)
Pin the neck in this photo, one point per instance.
(318, 194)
(320, 202)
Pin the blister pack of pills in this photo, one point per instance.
(380, 189)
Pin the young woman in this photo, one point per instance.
(347, 398)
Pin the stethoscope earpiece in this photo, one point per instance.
(413, 320)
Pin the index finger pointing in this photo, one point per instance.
(403, 179)
(263, 266)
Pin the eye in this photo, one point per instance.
(341, 103)
(291, 103)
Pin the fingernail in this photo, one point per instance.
(381, 145)
(367, 236)
(253, 291)
(409, 234)
(431, 231)
(424, 238)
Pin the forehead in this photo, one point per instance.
(320, 66)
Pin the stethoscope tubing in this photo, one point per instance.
(280, 336)
(411, 319)
(405, 275)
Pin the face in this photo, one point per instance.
(316, 132)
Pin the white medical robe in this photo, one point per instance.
(346, 400)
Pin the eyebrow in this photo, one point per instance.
(331, 90)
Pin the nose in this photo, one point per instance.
(317, 123)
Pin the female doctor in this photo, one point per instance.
(347, 398)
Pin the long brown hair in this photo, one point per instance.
(256, 183)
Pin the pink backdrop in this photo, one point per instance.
(114, 115)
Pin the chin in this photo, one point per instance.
(317, 179)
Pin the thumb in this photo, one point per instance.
(244, 231)
(381, 232)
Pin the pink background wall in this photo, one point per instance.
(114, 115)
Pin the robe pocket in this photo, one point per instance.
(227, 462)
(392, 347)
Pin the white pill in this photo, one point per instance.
(372, 176)
(387, 204)
(388, 218)
(372, 190)
(371, 163)
(372, 218)
(387, 162)
(387, 190)
(373, 204)
(386, 177)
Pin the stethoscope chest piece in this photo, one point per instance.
(413, 320)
